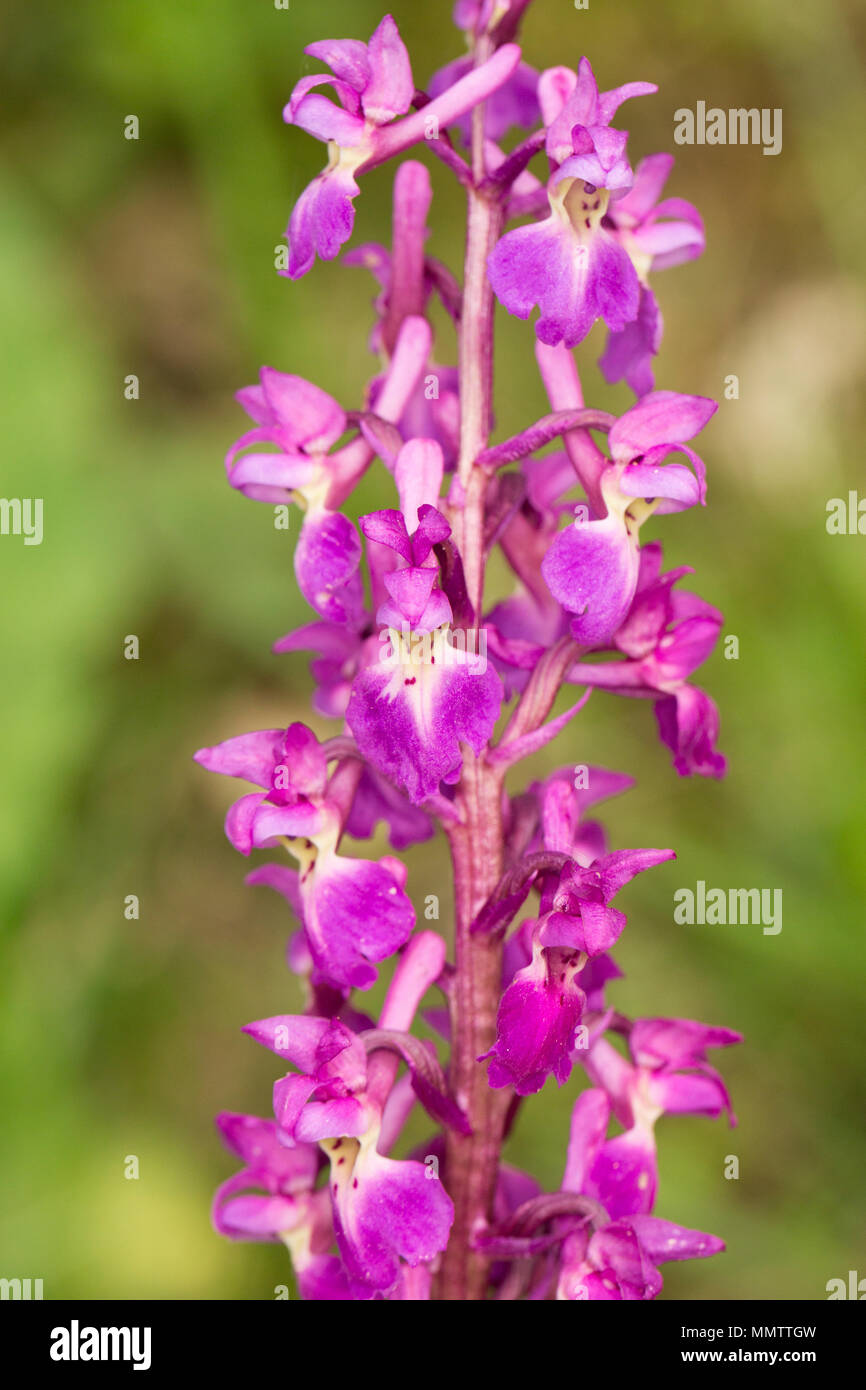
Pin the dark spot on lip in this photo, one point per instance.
(410, 680)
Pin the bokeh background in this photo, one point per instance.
(156, 257)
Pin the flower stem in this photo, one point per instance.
(477, 845)
(472, 1160)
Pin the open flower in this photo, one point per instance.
(283, 1205)
(300, 424)
(413, 708)
(354, 911)
(618, 1261)
(544, 1002)
(570, 264)
(615, 1257)
(385, 1211)
(669, 1075)
(593, 566)
(536, 1021)
(665, 636)
(373, 84)
(656, 234)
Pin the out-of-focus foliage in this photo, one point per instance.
(156, 257)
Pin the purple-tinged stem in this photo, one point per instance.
(477, 846)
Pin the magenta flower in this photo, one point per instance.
(384, 1211)
(666, 635)
(593, 566)
(618, 1259)
(303, 423)
(536, 1023)
(544, 1002)
(618, 1262)
(354, 912)
(285, 1207)
(373, 84)
(688, 723)
(445, 629)
(570, 265)
(412, 709)
(655, 235)
(623, 1171)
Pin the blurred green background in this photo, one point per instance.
(156, 257)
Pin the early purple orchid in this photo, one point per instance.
(440, 684)
(373, 84)
(656, 235)
(385, 1211)
(354, 911)
(543, 1003)
(571, 265)
(593, 566)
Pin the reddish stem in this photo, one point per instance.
(477, 845)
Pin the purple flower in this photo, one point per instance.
(536, 1022)
(581, 917)
(283, 1205)
(545, 1000)
(655, 235)
(570, 265)
(688, 724)
(385, 1211)
(671, 1077)
(301, 424)
(593, 566)
(354, 912)
(427, 694)
(373, 84)
(618, 1261)
(618, 1258)
(666, 635)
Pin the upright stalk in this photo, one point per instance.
(477, 844)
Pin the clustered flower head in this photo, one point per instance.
(435, 690)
